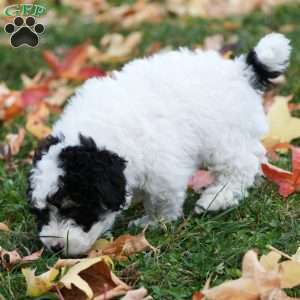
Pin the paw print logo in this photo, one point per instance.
(24, 33)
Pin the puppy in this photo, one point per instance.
(147, 129)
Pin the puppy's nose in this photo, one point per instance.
(56, 248)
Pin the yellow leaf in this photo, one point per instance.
(290, 274)
(38, 285)
(270, 261)
(282, 126)
(296, 256)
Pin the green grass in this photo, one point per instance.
(192, 248)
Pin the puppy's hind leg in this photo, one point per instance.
(233, 177)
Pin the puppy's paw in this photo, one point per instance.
(215, 199)
(141, 222)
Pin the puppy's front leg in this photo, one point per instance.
(159, 208)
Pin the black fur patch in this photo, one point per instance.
(93, 181)
(43, 147)
(261, 80)
(42, 216)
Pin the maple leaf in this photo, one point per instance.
(92, 278)
(282, 126)
(13, 103)
(124, 246)
(71, 65)
(288, 182)
(39, 285)
(9, 259)
(35, 122)
(260, 280)
(116, 47)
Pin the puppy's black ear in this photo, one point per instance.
(94, 178)
(43, 147)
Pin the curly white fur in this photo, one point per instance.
(167, 115)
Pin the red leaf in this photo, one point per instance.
(197, 296)
(288, 182)
(88, 72)
(200, 180)
(71, 65)
(33, 95)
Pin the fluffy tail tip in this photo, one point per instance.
(270, 57)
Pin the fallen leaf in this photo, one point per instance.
(36, 122)
(288, 182)
(260, 280)
(200, 180)
(290, 274)
(138, 294)
(92, 278)
(198, 296)
(129, 16)
(270, 261)
(34, 95)
(8, 259)
(72, 65)
(12, 145)
(59, 96)
(115, 47)
(296, 256)
(124, 246)
(4, 227)
(282, 126)
(39, 285)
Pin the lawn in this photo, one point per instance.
(192, 248)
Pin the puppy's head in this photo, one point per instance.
(75, 193)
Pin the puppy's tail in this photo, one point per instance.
(268, 60)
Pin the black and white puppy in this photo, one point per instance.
(148, 128)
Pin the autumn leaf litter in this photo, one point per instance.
(47, 92)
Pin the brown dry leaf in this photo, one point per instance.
(92, 278)
(4, 227)
(12, 145)
(36, 120)
(128, 15)
(116, 47)
(218, 8)
(90, 7)
(124, 246)
(8, 259)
